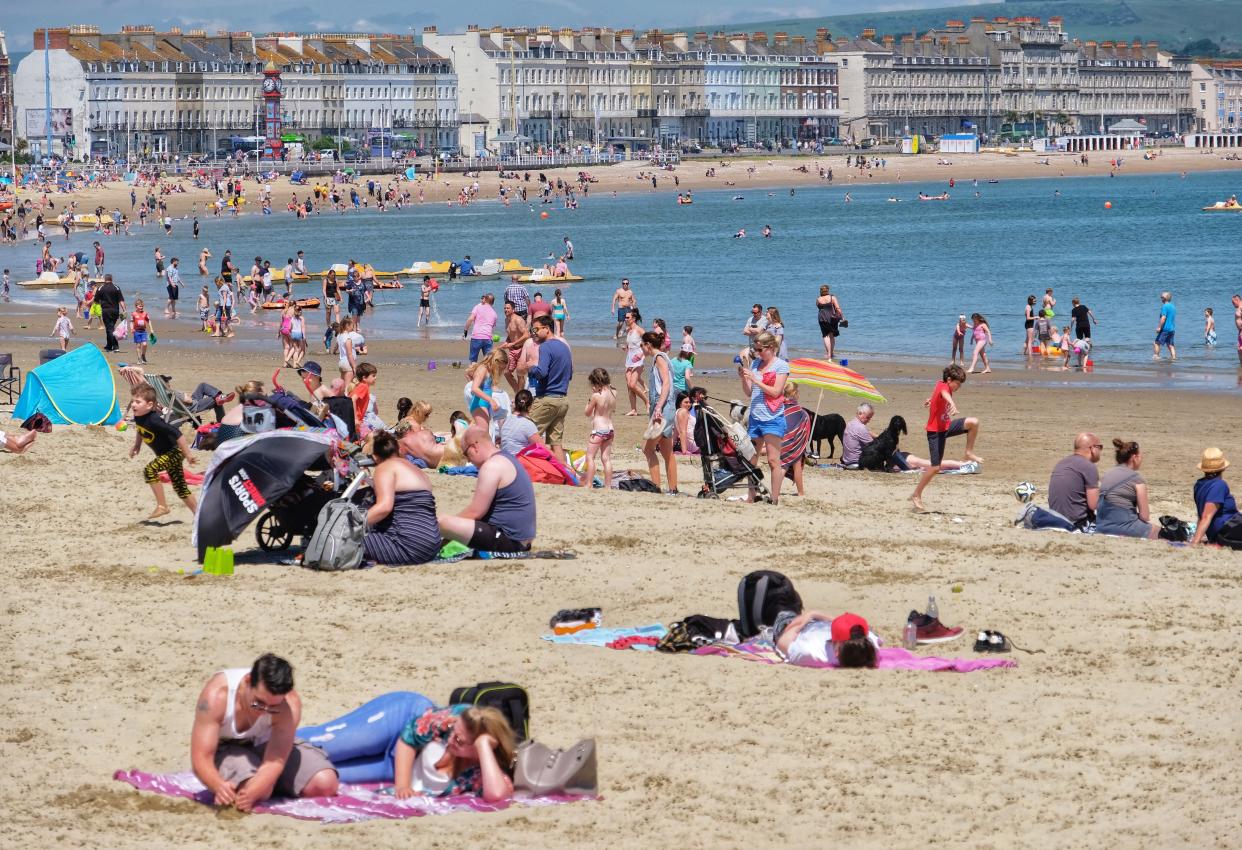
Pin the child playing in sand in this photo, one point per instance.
(169, 446)
(600, 408)
(1209, 328)
(63, 327)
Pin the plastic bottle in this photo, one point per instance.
(932, 610)
(910, 637)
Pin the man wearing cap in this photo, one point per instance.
(1219, 521)
(242, 747)
(312, 379)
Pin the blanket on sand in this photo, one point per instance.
(354, 803)
(603, 637)
(890, 658)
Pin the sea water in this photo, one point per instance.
(903, 269)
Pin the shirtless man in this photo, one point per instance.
(623, 301)
(242, 747)
(424, 302)
(1237, 321)
(516, 334)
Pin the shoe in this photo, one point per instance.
(931, 630)
(225, 398)
(970, 467)
(989, 641)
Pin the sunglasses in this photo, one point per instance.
(266, 708)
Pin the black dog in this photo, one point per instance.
(877, 455)
(827, 426)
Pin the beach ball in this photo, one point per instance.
(1024, 492)
(495, 337)
(543, 214)
(1108, 205)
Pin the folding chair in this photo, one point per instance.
(177, 412)
(10, 377)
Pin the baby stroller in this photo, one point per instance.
(727, 454)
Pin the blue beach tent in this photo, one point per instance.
(77, 388)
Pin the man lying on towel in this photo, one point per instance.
(242, 747)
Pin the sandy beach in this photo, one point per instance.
(742, 172)
(1125, 728)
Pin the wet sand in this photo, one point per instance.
(1125, 728)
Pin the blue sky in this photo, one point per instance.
(21, 19)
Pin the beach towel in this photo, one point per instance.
(354, 803)
(603, 637)
(890, 658)
(797, 434)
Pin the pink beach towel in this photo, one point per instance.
(354, 803)
(890, 658)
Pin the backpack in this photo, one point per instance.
(510, 700)
(762, 595)
(337, 541)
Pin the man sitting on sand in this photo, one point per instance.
(858, 435)
(501, 515)
(1073, 491)
(242, 747)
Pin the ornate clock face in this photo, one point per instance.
(269, 85)
(279, 84)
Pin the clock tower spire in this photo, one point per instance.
(272, 88)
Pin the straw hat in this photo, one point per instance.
(1213, 460)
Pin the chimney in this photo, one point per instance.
(954, 25)
(1153, 45)
(869, 33)
(681, 41)
(799, 42)
(780, 38)
(739, 40)
(429, 30)
(56, 38)
(760, 38)
(587, 36)
(821, 34)
(888, 41)
(470, 28)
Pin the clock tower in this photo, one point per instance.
(272, 87)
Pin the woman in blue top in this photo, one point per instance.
(765, 382)
(1218, 513)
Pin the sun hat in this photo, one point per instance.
(312, 367)
(1213, 460)
(842, 626)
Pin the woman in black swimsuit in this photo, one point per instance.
(1030, 325)
(331, 297)
(830, 316)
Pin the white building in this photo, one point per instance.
(1216, 96)
(141, 91)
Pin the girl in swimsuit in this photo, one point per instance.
(560, 312)
(959, 341)
(1029, 324)
(634, 362)
(483, 377)
(599, 409)
(983, 338)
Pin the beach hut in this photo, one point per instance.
(75, 389)
(959, 143)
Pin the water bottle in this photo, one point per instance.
(910, 637)
(932, 610)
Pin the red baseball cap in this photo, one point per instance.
(843, 625)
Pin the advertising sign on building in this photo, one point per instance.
(36, 124)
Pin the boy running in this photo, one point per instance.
(170, 451)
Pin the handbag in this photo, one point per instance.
(542, 770)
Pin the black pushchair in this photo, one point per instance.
(726, 453)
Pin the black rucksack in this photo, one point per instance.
(762, 595)
(511, 700)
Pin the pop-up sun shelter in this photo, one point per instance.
(77, 388)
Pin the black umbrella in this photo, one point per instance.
(246, 474)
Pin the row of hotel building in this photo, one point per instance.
(183, 92)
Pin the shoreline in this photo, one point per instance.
(769, 174)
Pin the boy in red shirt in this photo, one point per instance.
(942, 423)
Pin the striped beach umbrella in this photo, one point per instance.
(833, 378)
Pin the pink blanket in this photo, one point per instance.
(890, 658)
(354, 803)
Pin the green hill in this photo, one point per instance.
(1173, 24)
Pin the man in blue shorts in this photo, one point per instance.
(1165, 330)
(623, 301)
